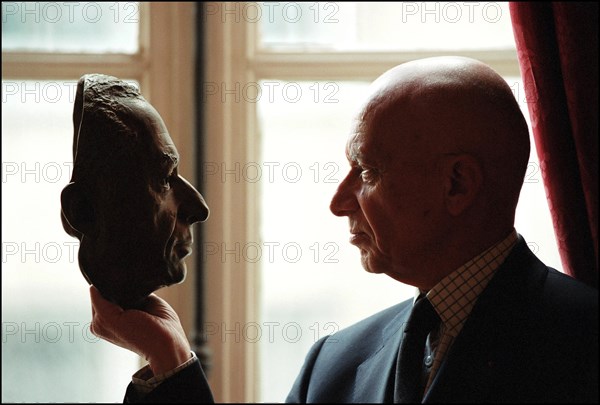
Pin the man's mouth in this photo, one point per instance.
(359, 238)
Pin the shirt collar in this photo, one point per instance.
(455, 295)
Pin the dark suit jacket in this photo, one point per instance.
(532, 337)
(187, 386)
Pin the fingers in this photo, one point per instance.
(102, 305)
(154, 331)
(151, 302)
(104, 313)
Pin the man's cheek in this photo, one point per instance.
(382, 240)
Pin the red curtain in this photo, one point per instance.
(557, 47)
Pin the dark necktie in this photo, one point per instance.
(409, 366)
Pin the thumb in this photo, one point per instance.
(102, 304)
(102, 310)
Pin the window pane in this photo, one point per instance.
(533, 218)
(312, 279)
(86, 27)
(48, 352)
(313, 283)
(379, 26)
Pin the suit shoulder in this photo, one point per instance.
(566, 288)
(567, 299)
(372, 328)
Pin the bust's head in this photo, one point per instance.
(126, 202)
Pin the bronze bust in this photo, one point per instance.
(126, 203)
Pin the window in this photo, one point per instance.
(48, 353)
(282, 82)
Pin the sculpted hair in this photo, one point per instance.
(104, 133)
(104, 128)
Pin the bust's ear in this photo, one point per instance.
(77, 210)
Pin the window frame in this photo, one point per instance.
(167, 32)
(233, 289)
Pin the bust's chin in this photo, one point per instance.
(177, 273)
(125, 297)
(131, 300)
(128, 281)
(123, 291)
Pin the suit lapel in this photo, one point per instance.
(495, 323)
(375, 376)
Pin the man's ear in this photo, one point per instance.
(464, 178)
(77, 210)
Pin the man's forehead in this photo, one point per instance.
(380, 144)
(369, 130)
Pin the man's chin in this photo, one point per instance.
(370, 265)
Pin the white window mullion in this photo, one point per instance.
(231, 293)
(360, 65)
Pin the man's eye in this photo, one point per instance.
(368, 175)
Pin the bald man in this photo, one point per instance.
(437, 160)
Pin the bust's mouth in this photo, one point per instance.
(183, 249)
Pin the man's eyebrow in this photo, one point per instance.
(354, 157)
(353, 152)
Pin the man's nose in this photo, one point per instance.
(192, 207)
(344, 200)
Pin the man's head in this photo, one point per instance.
(438, 155)
(126, 203)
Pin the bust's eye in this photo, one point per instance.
(166, 182)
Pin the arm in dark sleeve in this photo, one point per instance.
(186, 386)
